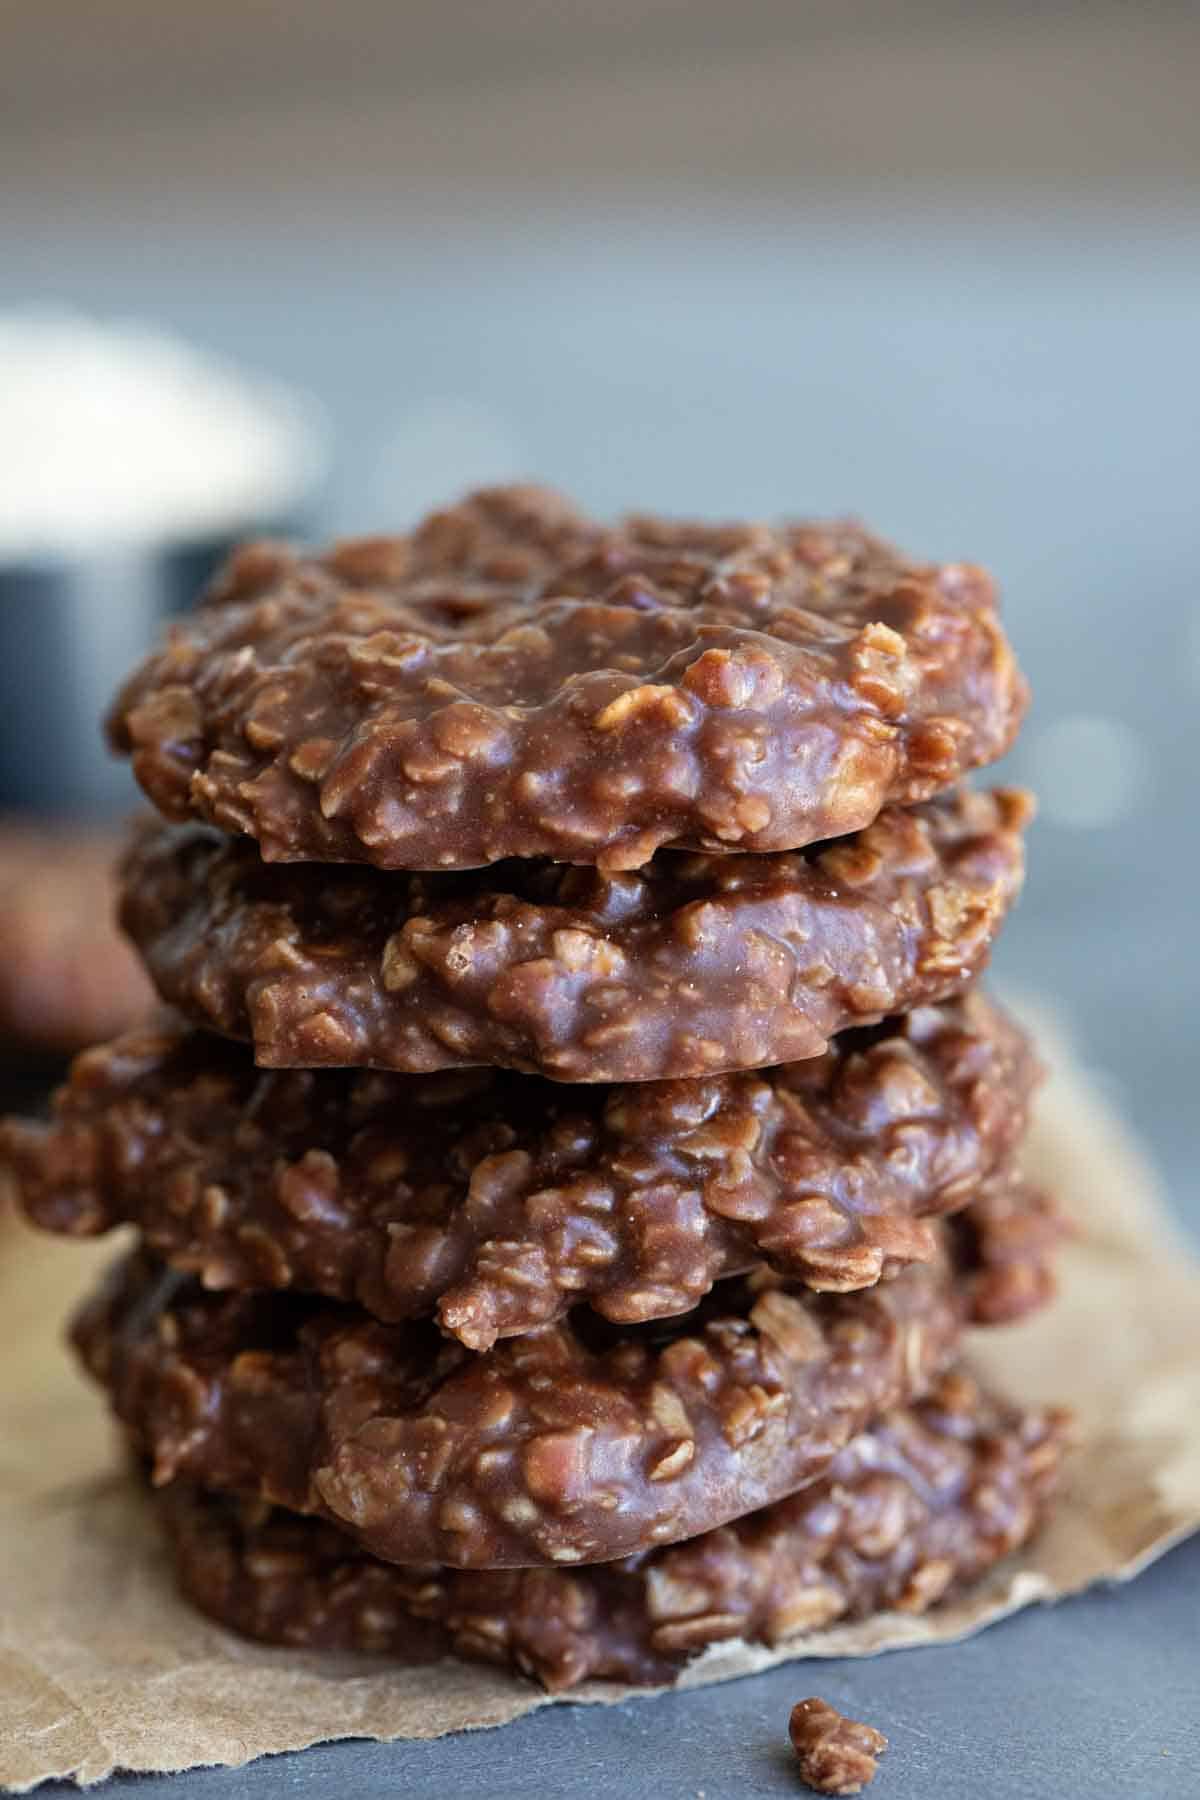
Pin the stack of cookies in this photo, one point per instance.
(577, 1146)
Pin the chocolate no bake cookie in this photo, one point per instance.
(922, 1502)
(835, 1754)
(1014, 1230)
(575, 1443)
(500, 1200)
(577, 1145)
(67, 976)
(515, 680)
(689, 966)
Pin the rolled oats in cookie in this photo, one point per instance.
(923, 1501)
(497, 1201)
(692, 965)
(575, 1443)
(514, 679)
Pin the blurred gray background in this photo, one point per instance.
(938, 265)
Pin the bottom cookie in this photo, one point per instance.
(922, 1503)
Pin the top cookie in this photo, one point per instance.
(515, 680)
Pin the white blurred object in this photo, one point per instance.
(130, 466)
(121, 435)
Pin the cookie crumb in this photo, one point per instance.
(836, 1755)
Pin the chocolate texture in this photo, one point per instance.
(575, 1443)
(690, 966)
(513, 679)
(498, 1201)
(924, 1501)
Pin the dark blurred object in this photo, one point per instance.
(70, 630)
(67, 978)
(131, 462)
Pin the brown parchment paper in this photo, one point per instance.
(102, 1667)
